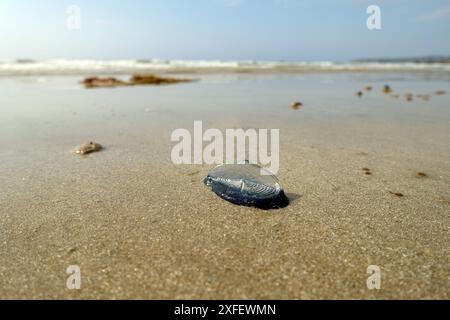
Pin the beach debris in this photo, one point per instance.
(409, 96)
(110, 82)
(247, 185)
(151, 79)
(367, 171)
(72, 250)
(387, 89)
(368, 88)
(395, 96)
(398, 194)
(440, 93)
(143, 79)
(88, 148)
(424, 97)
(296, 105)
(422, 175)
(359, 94)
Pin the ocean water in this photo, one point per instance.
(83, 67)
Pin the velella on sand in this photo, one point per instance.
(243, 184)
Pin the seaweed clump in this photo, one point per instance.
(151, 79)
(136, 80)
(109, 82)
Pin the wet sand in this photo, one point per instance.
(140, 227)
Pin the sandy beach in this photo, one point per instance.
(141, 227)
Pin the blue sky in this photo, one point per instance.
(223, 29)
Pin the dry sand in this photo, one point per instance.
(140, 227)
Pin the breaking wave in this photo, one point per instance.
(91, 67)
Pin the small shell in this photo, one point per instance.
(88, 148)
(243, 184)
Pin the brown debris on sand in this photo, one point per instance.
(110, 82)
(88, 148)
(359, 94)
(368, 88)
(398, 194)
(422, 175)
(424, 97)
(387, 89)
(151, 79)
(296, 105)
(142, 79)
(409, 96)
(440, 93)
